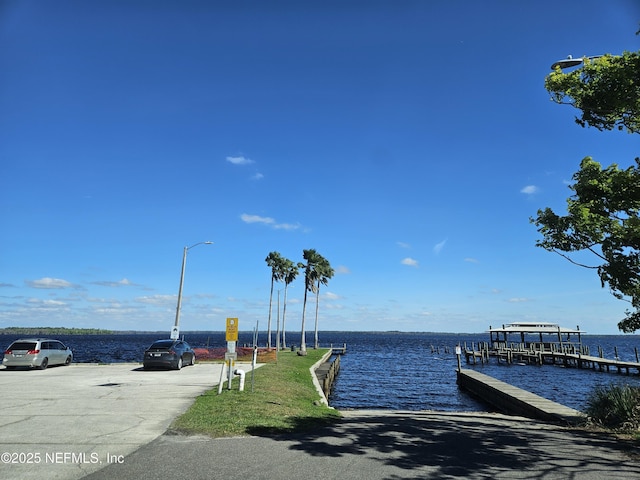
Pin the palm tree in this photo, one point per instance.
(274, 261)
(323, 272)
(289, 273)
(312, 257)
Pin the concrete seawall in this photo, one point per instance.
(516, 401)
(318, 374)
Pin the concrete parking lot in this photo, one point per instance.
(66, 422)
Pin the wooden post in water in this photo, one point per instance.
(560, 338)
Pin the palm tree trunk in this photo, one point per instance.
(284, 312)
(269, 322)
(303, 345)
(315, 345)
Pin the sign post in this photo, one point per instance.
(175, 333)
(231, 355)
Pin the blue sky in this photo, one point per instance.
(407, 142)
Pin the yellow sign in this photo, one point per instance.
(232, 329)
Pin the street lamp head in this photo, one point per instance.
(567, 63)
(208, 242)
(572, 62)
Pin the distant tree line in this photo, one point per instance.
(317, 271)
(53, 331)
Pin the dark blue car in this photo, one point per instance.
(168, 354)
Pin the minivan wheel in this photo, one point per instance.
(44, 364)
(67, 361)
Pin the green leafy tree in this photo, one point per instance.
(323, 273)
(603, 213)
(606, 89)
(602, 219)
(275, 262)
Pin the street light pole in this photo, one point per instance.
(176, 328)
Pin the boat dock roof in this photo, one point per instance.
(534, 327)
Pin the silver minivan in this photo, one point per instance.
(37, 353)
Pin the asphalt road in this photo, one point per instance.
(107, 421)
(369, 445)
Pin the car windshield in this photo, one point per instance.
(162, 344)
(23, 346)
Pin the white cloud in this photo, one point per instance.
(125, 282)
(257, 176)
(48, 282)
(410, 262)
(529, 190)
(241, 160)
(331, 296)
(268, 221)
(518, 300)
(438, 247)
(342, 269)
(246, 218)
(157, 299)
(286, 226)
(471, 260)
(45, 303)
(403, 245)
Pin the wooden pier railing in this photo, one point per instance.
(539, 354)
(337, 350)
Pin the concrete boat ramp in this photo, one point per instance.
(516, 401)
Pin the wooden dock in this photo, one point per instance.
(325, 371)
(337, 350)
(540, 343)
(568, 357)
(326, 374)
(516, 401)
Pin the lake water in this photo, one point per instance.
(407, 371)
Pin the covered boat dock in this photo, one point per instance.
(536, 336)
(538, 343)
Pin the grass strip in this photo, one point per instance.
(283, 400)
